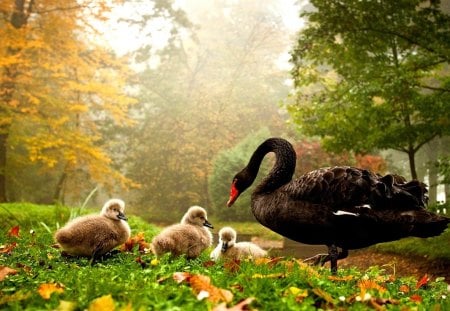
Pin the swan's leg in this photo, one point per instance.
(334, 255)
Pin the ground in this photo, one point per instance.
(402, 265)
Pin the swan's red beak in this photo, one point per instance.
(234, 193)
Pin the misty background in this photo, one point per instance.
(161, 102)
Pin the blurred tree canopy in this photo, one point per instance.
(215, 83)
(58, 90)
(373, 75)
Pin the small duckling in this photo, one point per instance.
(95, 235)
(229, 249)
(190, 237)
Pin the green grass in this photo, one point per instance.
(281, 285)
(435, 248)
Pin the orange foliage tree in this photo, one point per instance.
(57, 88)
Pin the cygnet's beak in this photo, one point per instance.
(208, 224)
(224, 247)
(122, 216)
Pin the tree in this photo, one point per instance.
(57, 88)
(208, 92)
(371, 75)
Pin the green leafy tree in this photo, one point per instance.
(371, 75)
(225, 165)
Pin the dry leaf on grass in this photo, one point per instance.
(46, 290)
(202, 287)
(138, 239)
(103, 303)
(14, 231)
(8, 248)
(5, 271)
(241, 306)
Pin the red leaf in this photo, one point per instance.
(416, 298)
(14, 231)
(422, 282)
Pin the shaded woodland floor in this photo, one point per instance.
(404, 265)
(400, 265)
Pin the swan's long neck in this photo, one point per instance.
(283, 169)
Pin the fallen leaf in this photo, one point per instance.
(298, 293)
(268, 261)
(404, 288)
(103, 303)
(5, 271)
(202, 287)
(232, 265)
(365, 285)
(8, 248)
(141, 262)
(241, 306)
(416, 298)
(181, 276)
(14, 231)
(324, 295)
(209, 263)
(17, 296)
(66, 306)
(46, 290)
(341, 278)
(139, 240)
(422, 282)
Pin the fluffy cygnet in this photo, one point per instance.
(229, 249)
(95, 235)
(190, 237)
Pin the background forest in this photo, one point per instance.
(161, 102)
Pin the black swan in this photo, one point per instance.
(340, 207)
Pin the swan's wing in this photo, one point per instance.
(344, 188)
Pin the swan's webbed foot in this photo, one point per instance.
(333, 256)
(319, 259)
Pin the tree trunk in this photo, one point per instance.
(3, 146)
(19, 18)
(412, 163)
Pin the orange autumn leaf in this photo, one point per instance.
(404, 288)
(422, 282)
(103, 303)
(202, 287)
(365, 285)
(5, 271)
(46, 290)
(241, 306)
(139, 240)
(8, 248)
(14, 231)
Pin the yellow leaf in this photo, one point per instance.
(66, 306)
(46, 290)
(104, 303)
